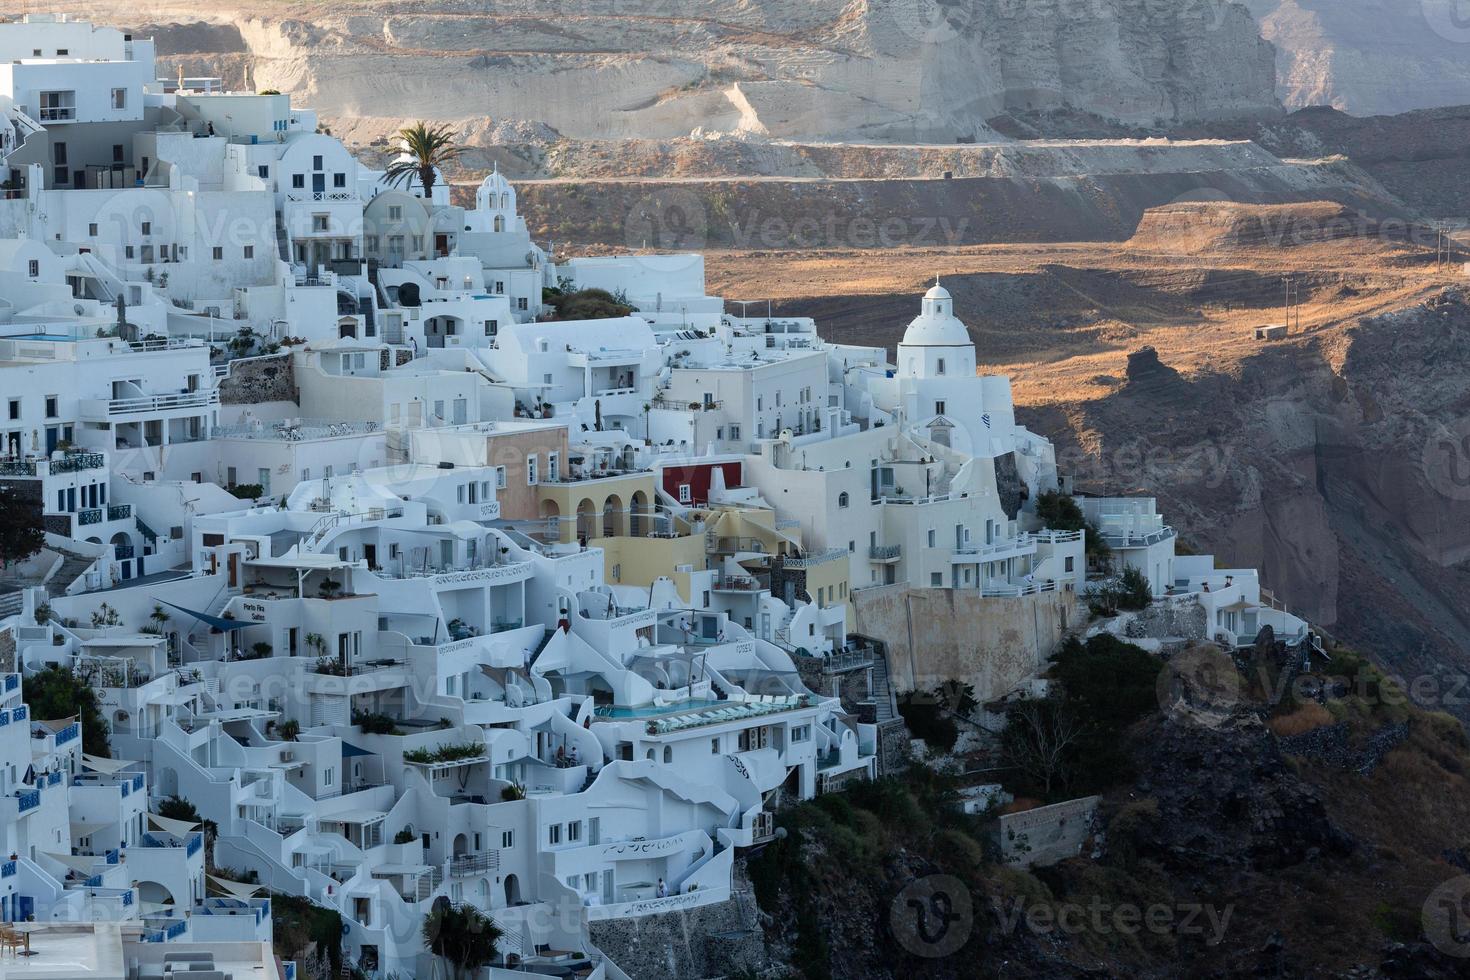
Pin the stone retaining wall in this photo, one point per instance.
(269, 378)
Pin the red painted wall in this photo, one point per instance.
(698, 477)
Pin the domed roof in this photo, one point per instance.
(936, 325)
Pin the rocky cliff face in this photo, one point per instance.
(1340, 467)
(1368, 57)
(882, 69)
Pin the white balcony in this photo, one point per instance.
(971, 554)
(115, 409)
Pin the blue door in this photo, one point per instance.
(25, 907)
(318, 184)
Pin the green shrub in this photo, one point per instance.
(374, 723)
(1136, 592)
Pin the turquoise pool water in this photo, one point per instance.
(609, 711)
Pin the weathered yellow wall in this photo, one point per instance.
(831, 577)
(641, 560)
(566, 498)
(993, 644)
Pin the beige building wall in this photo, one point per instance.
(520, 499)
(992, 643)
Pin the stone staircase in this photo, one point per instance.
(882, 693)
(72, 567)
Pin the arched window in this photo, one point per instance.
(842, 499)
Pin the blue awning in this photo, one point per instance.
(223, 625)
(349, 750)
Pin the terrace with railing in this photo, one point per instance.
(297, 430)
(67, 463)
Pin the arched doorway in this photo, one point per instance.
(461, 845)
(152, 891)
(636, 509)
(512, 890)
(551, 514)
(586, 520)
(612, 516)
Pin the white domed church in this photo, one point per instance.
(937, 393)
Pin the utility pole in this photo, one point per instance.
(1293, 304)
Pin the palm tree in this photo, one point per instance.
(461, 935)
(427, 147)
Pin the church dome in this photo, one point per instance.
(936, 325)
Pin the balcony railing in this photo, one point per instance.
(884, 552)
(28, 800)
(119, 512)
(97, 407)
(331, 197)
(7, 869)
(467, 865)
(69, 463)
(819, 558)
(67, 734)
(92, 515)
(76, 462)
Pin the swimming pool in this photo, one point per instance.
(648, 711)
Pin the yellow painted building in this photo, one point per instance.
(608, 506)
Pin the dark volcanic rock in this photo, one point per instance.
(1226, 798)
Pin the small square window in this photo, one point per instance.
(218, 253)
(249, 251)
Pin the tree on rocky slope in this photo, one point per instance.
(21, 535)
(1038, 743)
(428, 150)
